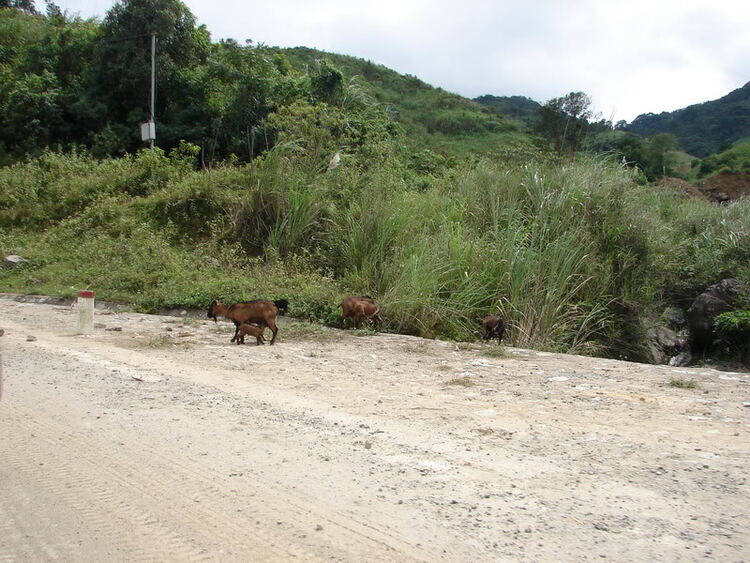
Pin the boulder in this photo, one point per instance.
(717, 299)
(675, 318)
(14, 261)
(665, 344)
(726, 290)
(682, 359)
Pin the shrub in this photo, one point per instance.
(682, 383)
(733, 331)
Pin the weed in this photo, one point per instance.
(302, 331)
(494, 352)
(462, 381)
(570, 256)
(363, 332)
(682, 383)
(159, 341)
(422, 348)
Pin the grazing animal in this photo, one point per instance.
(360, 307)
(245, 329)
(494, 327)
(282, 305)
(260, 312)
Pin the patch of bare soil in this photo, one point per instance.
(163, 441)
(733, 185)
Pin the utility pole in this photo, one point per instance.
(148, 128)
(153, 88)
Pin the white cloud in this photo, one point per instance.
(631, 57)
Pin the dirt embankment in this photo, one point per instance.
(723, 187)
(162, 440)
(733, 185)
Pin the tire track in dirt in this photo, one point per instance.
(352, 536)
(113, 494)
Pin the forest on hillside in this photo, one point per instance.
(73, 84)
(701, 129)
(69, 83)
(287, 173)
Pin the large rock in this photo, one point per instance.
(663, 343)
(675, 318)
(668, 338)
(14, 261)
(717, 299)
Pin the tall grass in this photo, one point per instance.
(573, 257)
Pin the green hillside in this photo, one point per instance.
(517, 107)
(431, 117)
(734, 159)
(702, 129)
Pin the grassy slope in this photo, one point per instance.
(734, 159)
(573, 256)
(432, 118)
(518, 107)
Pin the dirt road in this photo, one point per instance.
(162, 441)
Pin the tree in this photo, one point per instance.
(31, 113)
(326, 83)
(656, 154)
(26, 6)
(124, 57)
(565, 121)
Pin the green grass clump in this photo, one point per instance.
(682, 383)
(733, 331)
(307, 331)
(495, 352)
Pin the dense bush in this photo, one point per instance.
(733, 331)
(735, 159)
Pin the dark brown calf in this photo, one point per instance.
(260, 312)
(245, 329)
(494, 327)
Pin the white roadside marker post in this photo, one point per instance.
(85, 312)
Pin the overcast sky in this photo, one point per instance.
(631, 57)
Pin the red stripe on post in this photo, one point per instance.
(86, 293)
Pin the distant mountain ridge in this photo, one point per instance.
(701, 129)
(453, 124)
